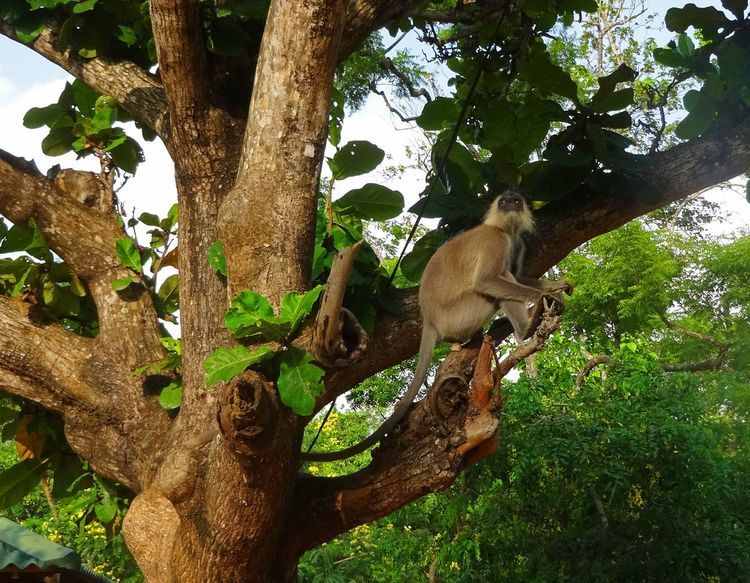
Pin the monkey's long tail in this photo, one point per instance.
(426, 346)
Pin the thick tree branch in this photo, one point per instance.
(366, 16)
(644, 184)
(651, 182)
(439, 437)
(182, 61)
(136, 90)
(44, 364)
(283, 150)
(85, 237)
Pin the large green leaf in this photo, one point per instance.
(59, 141)
(128, 254)
(355, 158)
(439, 113)
(706, 19)
(169, 294)
(612, 102)
(300, 381)
(127, 155)
(372, 201)
(216, 258)
(226, 363)
(170, 396)
(414, 263)
(669, 57)
(702, 108)
(106, 510)
(736, 7)
(295, 307)
(27, 238)
(37, 117)
(19, 480)
(542, 73)
(250, 315)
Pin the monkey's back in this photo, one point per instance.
(446, 297)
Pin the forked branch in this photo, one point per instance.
(85, 237)
(44, 364)
(451, 427)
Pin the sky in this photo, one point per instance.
(27, 80)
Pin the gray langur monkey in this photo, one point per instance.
(462, 286)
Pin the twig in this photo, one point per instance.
(591, 365)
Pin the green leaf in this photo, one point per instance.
(623, 74)
(126, 35)
(127, 253)
(540, 72)
(84, 97)
(121, 284)
(336, 117)
(21, 283)
(19, 480)
(669, 57)
(613, 102)
(216, 258)
(708, 19)
(439, 113)
(414, 263)
(685, 45)
(170, 396)
(702, 108)
(37, 117)
(300, 382)
(736, 7)
(59, 141)
(106, 510)
(226, 363)
(84, 6)
(30, 26)
(169, 294)
(295, 307)
(355, 158)
(173, 215)
(372, 201)
(127, 155)
(149, 219)
(27, 238)
(251, 316)
(105, 113)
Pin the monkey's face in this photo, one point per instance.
(511, 201)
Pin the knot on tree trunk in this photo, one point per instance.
(447, 402)
(247, 414)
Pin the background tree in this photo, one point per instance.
(214, 473)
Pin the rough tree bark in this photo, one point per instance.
(211, 503)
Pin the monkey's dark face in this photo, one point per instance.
(511, 201)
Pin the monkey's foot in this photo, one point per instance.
(456, 346)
